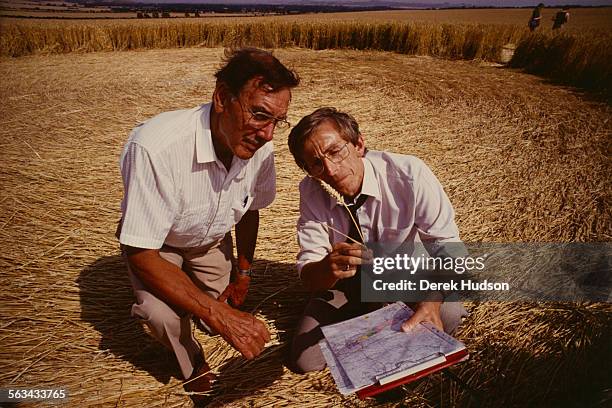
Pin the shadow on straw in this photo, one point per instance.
(106, 299)
(275, 296)
(240, 378)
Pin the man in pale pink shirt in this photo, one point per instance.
(189, 176)
(398, 199)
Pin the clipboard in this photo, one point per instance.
(388, 381)
(369, 354)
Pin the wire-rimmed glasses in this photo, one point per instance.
(335, 155)
(260, 120)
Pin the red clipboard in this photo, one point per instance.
(377, 388)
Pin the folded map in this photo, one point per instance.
(371, 352)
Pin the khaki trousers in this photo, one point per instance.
(209, 268)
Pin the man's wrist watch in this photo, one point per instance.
(245, 272)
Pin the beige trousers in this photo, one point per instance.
(209, 268)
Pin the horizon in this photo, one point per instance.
(391, 3)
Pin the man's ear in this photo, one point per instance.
(360, 146)
(221, 97)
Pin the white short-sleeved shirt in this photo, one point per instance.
(177, 192)
(405, 203)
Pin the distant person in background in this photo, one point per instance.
(536, 17)
(561, 18)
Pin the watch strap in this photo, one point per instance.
(245, 272)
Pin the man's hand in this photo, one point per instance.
(340, 263)
(345, 257)
(425, 312)
(241, 330)
(236, 291)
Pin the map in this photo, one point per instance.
(369, 348)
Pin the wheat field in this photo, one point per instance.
(577, 55)
(522, 160)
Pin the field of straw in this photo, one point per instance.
(522, 161)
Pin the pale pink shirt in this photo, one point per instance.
(406, 204)
(177, 192)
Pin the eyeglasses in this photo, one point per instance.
(260, 120)
(335, 155)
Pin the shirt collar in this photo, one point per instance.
(369, 185)
(205, 151)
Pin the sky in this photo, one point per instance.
(496, 3)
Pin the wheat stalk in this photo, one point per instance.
(335, 194)
(341, 233)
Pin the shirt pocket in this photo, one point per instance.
(241, 205)
(392, 238)
(403, 241)
(394, 235)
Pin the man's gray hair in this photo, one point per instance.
(345, 124)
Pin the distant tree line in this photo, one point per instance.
(195, 10)
(153, 14)
(163, 14)
(265, 8)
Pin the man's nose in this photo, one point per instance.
(267, 132)
(330, 166)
